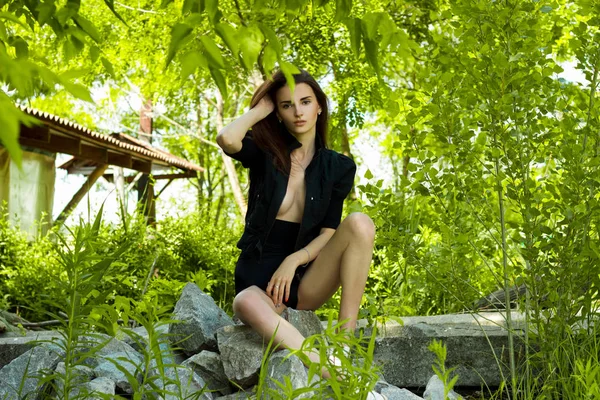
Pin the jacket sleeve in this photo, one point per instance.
(341, 189)
(250, 155)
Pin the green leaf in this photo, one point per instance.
(190, 62)
(111, 4)
(289, 70)
(212, 9)
(77, 90)
(269, 59)
(220, 81)
(342, 9)
(213, 52)
(272, 37)
(355, 30)
(372, 52)
(87, 27)
(228, 34)
(368, 174)
(20, 45)
(179, 33)
(108, 66)
(165, 3)
(190, 6)
(12, 18)
(251, 40)
(9, 134)
(546, 9)
(94, 53)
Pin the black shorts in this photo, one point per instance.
(279, 244)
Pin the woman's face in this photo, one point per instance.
(300, 113)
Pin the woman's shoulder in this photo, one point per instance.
(339, 160)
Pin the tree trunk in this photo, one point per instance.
(238, 195)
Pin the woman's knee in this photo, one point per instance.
(246, 301)
(361, 226)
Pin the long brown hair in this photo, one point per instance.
(268, 134)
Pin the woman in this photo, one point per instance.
(295, 251)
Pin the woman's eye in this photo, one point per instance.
(285, 106)
(306, 102)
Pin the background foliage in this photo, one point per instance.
(492, 156)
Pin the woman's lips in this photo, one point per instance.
(299, 123)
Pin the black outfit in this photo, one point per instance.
(329, 178)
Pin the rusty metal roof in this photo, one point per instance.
(120, 140)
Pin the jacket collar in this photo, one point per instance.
(293, 143)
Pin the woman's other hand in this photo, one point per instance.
(280, 284)
(265, 106)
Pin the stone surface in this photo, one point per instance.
(79, 374)
(208, 365)
(402, 352)
(180, 382)
(136, 337)
(40, 359)
(435, 390)
(95, 389)
(394, 393)
(237, 396)
(12, 347)
(130, 361)
(199, 318)
(241, 352)
(282, 365)
(306, 322)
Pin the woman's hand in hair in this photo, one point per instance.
(265, 106)
(280, 284)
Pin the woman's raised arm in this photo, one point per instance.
(230, 137)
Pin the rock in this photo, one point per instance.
(208, 365)
(237, 396)
(94, 389)
(40, 359)
(199, 318)
(179, 382)
(130, 361)
(394, 393)
(306, 322)
(472, 343)
(241, 354)
(136, 337)
(12, 347)
(435, 390)
(282, 366)
(79, 375)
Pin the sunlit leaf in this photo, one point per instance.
(213, 52)
(228, 34)
(88, 27)
(178, 34)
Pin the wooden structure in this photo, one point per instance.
(92, 153)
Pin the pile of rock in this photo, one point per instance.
(215, 359)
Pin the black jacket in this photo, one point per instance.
(329, 178)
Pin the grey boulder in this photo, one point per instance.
(241, 351)
(208, 365)
(28, 369)
(199, 319)
(282, 366)
(130, 362)
(435, 390)
(306, 322)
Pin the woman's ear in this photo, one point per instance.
(278, 116)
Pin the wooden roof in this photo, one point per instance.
(90, 148)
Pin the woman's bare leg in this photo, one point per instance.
(345, 261)
(254, 308)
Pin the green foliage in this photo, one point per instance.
(438, 348)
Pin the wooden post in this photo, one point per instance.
(97, 173)
(145, 184)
